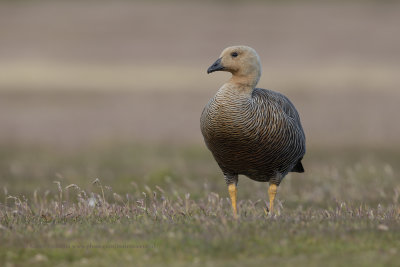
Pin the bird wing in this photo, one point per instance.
(278, 100)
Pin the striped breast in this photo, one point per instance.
(258, 135)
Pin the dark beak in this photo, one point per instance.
(216, 66)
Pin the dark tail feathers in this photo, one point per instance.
(298, 167)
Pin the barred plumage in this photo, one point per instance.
(251, 131)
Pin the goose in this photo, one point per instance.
(251, 131)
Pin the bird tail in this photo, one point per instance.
(298, 167)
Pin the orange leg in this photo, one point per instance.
(232, 193)
(273, 188)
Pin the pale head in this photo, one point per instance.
(242, 61)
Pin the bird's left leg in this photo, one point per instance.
(231, 181)
(273, 188)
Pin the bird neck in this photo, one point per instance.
(235, 90)
(246, 78)
(243, 84)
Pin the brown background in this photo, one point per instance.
(74, 73)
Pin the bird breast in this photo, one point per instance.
(251, 135)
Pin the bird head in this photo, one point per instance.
(242, 61)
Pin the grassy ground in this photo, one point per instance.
(131, 70)
(158, 205)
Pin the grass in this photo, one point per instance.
(167, 205)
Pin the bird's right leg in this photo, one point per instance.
(273, 188)
(231, 181)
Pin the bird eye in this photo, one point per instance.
(234, 54)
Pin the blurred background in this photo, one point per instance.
(115, 89)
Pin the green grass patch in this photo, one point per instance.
(167, 205)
